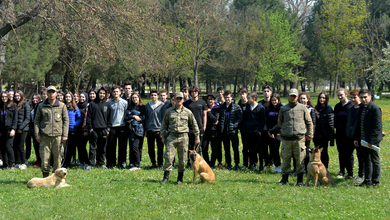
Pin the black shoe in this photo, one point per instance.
(236, 167)
(180, 178)
(166, 177)
(45, 174)
(300, 179)
(375, 185)
(229, 167)
(364, 184)
(153, 166)
(284, 180)
(160, 167)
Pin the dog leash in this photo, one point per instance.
(198, 146)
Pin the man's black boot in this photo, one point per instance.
(180, 178)
(166, 177)
(300, 179)
(284, 180)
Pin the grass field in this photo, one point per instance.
(121, 194)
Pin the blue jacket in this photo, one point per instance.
(137, 126)
(74, 119)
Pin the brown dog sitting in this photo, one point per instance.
(57, 179)
(317, 169)
(200, 166)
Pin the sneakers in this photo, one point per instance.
(22, 166)
(277, 169)
(130, 165)
(236, 167)
(364, 184)
(124, 165)
(134, 168)
(340, 176)
(37, 164)
(26, 162)
(88, 167)
(359, 179)
(16, 165)
(103, 167)
(1, 163)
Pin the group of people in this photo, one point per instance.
(61, 123)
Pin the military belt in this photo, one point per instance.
(178, 134)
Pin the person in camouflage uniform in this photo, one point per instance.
(294, 120)
(174, 131)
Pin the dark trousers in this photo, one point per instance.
(128, 141)
(19, 153)
(6, 148)
(70, 147)
(117, 135)
(97, 146)
(210, 137)
(372, 165)
(275, 143)
(265, 146)
(152, 137)
(255, 148)
(81, 145)
(245, 149)
(349, 159)
(233, 138)
(219, 146)
(341, 142)
(28, 145)
(320, 140)
(136, 150)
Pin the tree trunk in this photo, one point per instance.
(168, 84)
(89, 85)
(245, 85)
(235, 86)
(285, 88)
(65, 81)
(254, 86)
(3, 43)
(173, 84)
(189, 81)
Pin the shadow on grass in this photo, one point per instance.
(9, 182)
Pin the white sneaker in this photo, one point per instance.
(1, 163)
(16, 165)
(88, 167)
(22, 166)
(277, 169)
(134, 169)
(359, 179)
(124, 165)
(340, 176)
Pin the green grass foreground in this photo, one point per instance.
(122, 194)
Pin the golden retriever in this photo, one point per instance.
(57, 180)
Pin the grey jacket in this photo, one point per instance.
(118, 110)
(154, 118)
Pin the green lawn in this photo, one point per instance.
(121, 194)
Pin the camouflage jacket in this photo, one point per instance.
(176, 121)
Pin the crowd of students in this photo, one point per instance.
(115, 116)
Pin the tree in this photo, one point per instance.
(340, 24)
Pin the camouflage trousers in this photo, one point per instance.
(175, 142)
(290, 149)
(51, 146)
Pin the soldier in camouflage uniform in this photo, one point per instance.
(293, 119)
(174, 131)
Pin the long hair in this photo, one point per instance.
(92, 90)
(39, 97)
(277, 96)
(22, 99)
(9, 103)
(308, 98)
(72, 104)
(132, 104)
(318, 106)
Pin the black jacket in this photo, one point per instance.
(212, 118)
(235, 118)
(340, 117)
(372, 124)
(254, 120)
(351, 122)
(99, 115)
(9, 117)
(325, 117)
(271, 117)
(24, 116)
